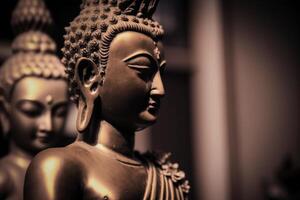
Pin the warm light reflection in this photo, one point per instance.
(21, 162)
(95, 185)
(209, 90)
(51, 165)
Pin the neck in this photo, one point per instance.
(113, 139)
(20, 156)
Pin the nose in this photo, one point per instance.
(157, 86)
(46, 122)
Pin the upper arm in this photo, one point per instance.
(51, 177)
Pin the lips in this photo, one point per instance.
(153, 107)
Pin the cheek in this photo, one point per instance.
(58, 123)
(134, 88)
(124, 84)
(128, 94)
(124, 93)
(23, 123)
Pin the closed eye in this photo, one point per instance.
(162, 67)
(144, 72)
(60, 110)
(30, 108)
(143, 63)
(141, 54)
(138, 67)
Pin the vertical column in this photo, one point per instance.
(209, 102)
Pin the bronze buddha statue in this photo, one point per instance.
(3, 133)
(34, 95)
(114, 61)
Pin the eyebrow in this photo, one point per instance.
(163, 63)
(139, 54)
(145, 54)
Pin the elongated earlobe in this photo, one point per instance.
(88, 78)
(84, 116)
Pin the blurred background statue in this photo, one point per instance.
(114, 59)
(4, 127)
(34, 95)
(3, 133)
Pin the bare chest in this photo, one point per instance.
(110, 178)
(115, 182)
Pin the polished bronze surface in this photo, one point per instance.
(115, 62)
(34, 97)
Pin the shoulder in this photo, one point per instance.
(56, 159)
(156, 158)
(51, 173)
(51, 160)
(47, 157)
(6, 182)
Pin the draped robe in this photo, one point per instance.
(165, 180)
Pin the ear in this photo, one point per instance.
(4, 117)
(88, 80)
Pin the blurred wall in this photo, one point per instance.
(245, 94)
(262, 52)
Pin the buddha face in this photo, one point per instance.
(38, 109)
(133, 86)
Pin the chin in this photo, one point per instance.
(38, 146)
(145, 120)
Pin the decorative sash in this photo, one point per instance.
(165, 180)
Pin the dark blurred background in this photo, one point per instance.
(232, 109)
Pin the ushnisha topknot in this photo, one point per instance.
(140, 8)
(30, 15)
(31, 22)
(92, 31)
(33, 49)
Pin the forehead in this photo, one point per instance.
(36, 88)
(129, 42)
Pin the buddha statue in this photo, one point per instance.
(114, 60)
(34, 95)
(3, 138)
(3, 141)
